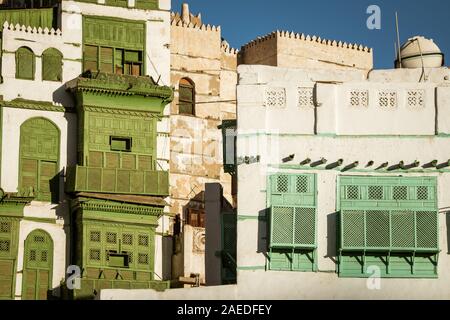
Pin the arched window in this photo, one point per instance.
(52, 65)
(39, 156)
(25, 63)
(37, 266)
(186, 97)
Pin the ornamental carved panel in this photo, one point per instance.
(199, 240)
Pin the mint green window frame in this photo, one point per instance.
(292, 199)
(390, 223)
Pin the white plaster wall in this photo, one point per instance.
(355, 137)
(165, 4)
(12, 120)
(376, 120)
(194, 263)
(38, 42)
(334, 114)
(58, 235)
(443, 101)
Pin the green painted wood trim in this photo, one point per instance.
(139, 4)
(121, 87)
(122, 111)
(123, 23)
(43, 18)
(113, 211)
(251, 268)
(32, 105)
(40, 220)
(11, 210)
(1, 138)
(151, 183)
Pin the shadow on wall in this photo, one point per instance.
(446, 211)
(61, 96)
(332, 236)
(263, 232)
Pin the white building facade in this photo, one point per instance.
(31, 101)
(342, 181)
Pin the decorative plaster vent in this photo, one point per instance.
(275, 97)
(199, 240)
(416, 98)
(306, 97)
(359, 98)
(387, 99)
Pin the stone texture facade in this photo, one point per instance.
(199, 55)
(294, 50)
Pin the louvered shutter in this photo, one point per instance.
(106, 60)
(90, 58)
(293, 211)
(29, 174)
(51, 65)
(25, 64)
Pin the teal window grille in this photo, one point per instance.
(293, 222)
(391, 223)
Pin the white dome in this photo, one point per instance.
(419, 51)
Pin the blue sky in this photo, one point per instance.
(345, 20)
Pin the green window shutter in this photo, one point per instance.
(133, 56)
(39, 154)
(147, 4)
(119, 61)
(52, 65)
(25, 64)
(293, 222)
(390, 219)
(38, 266)
(90, 58)
(106, 60)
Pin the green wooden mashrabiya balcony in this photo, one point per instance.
(395, 218)
(121, 181)
(111, 163)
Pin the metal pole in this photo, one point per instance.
(398, 41)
